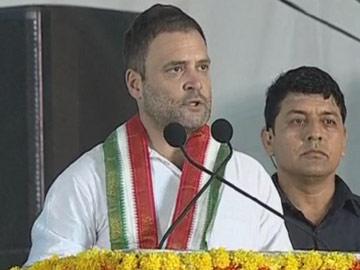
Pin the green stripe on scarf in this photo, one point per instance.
(115, 194)
(215, 192)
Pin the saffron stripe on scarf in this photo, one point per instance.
(142, 181)
(189, 186)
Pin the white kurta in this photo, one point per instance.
(75, 215)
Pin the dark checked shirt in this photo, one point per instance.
(340, 228)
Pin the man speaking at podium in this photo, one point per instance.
(126, 192)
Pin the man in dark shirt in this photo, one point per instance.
(305, 137)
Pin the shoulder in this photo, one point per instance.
(247, 164)
(246, 158)
(246, 171)
(248, 174)
(344, 190)
(84, 174)
(356, 200)
(90, 160)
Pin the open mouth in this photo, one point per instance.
(194, 103)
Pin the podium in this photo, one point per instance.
(62, 91)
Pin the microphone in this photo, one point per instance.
(222, 130)
(224, 124)
(175, 135)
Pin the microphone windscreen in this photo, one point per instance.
(222, 130)
(175, 134)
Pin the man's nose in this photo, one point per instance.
(314, 131)
(192, 81)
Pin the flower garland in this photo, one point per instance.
(216, 259)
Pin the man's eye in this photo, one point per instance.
(175, 69)
(204, 67)
(329, 122)
(297, 121)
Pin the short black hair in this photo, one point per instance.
(304, 80)
(147, 25)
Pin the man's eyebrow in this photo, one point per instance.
(174, 63)
(329, 112)
(181, 62)
(293, 111)
(204, 61)
(325, 112)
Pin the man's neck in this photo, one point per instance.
(159, 144)
(312, 195)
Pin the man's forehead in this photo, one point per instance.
(177, 46)
(302, 103)
(177, 31)
(176, 34)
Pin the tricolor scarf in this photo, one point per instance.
(130, 199)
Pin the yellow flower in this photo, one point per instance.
(220, 258)
(214, 259)
(196, 261)
(337, 261)
(150, 261)
(46, 264)
(286, 261)
(170, 261)
(249, 260)
(311, 260)
(128, 262)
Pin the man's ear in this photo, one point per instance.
(134, 83)
(267, 137)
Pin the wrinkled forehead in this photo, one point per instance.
(177, 46)
(308, 103)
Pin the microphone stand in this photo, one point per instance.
(196, 197)
(244, 193)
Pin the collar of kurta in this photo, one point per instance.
(130, 197)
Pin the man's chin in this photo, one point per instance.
(193, 126)
(315, 173)
(194, 121)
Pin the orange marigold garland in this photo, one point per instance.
(216, 259)
(356, 265)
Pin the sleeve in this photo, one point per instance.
(274, 235)
(67, 223)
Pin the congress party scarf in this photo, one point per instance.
(130, 198)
